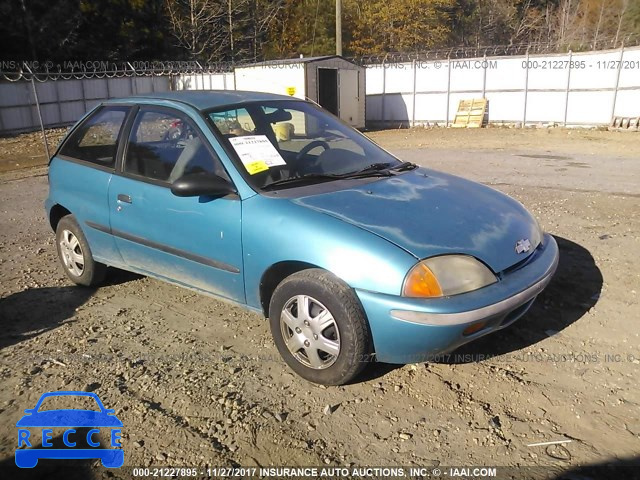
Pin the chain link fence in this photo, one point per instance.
(461, 52)
(44, 71)
(13, 71)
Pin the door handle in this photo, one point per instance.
(124, 198)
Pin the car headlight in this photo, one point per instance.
(446, 275)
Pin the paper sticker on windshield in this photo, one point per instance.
(256, 167)
(256, 153)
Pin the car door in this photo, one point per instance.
(195, 241)
(80, 174)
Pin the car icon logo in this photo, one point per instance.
(523, 246)
(80, 437)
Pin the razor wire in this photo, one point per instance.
(461, 52)
(16, 71)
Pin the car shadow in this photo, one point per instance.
(55, 468)
(625, 468)
(374, 371)
(50, 469)
(31, 312)
(574, 290)
(27, 314)
(116, 276)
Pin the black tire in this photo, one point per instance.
(92, 273)
(349, 328)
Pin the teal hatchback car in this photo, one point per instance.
(274, 204)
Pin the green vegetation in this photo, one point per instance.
(223, 30)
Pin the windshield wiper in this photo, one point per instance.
(374, 167)
(403, 167)
(374, 170)
(301, 179)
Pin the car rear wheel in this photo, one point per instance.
(75, 254)
(319, 327)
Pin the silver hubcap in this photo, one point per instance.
(310, 332)
(71, 253)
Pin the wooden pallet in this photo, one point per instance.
(625, 124)
(471, 113)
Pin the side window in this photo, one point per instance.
(164, 146)
(234, 123)
(96, 141)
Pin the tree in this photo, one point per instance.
(80, 30)
(302, 27)
(197, 25)
(247, 26)
(243, 30)
(263, 16)
(590, 23)
(631, 21)
(36, 28)
(377, 26)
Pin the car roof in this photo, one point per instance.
(69, 393)
(205, 99)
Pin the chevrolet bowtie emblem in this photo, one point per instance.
(523, 246)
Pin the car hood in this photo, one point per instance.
(69, 418)
(430, 213)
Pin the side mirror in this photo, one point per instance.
(198, 184)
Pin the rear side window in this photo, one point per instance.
(96, 140)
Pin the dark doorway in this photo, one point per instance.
(328, 89)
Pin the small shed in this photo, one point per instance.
(335, 83)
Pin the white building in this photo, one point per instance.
(335, 83)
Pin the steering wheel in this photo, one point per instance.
(306, 149)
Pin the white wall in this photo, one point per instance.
(204, 81)
(581, 95)
(63, 102)
(273, 78)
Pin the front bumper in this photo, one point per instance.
(110, 458)
(410, 330)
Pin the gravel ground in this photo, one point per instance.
(199, 383)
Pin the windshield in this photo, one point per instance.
(289, 143)
(69, 402)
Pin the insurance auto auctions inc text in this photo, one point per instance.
(355, 472)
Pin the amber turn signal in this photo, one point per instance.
(474, 328)
(421, 282)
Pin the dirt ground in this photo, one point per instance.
(27, 150)
(199, 383)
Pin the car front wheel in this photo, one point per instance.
(75, 254)
(319, 327)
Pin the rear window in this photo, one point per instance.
(96, 140)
